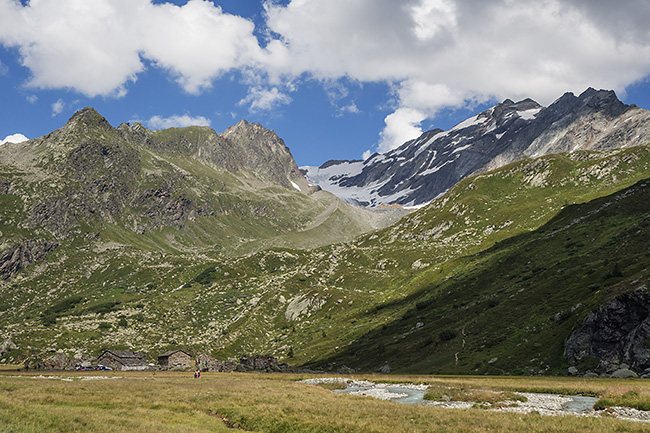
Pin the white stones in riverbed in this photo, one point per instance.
(544, 404)
(379, 393)
(629, 414)
(353, 383)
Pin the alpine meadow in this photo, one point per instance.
(472, 255)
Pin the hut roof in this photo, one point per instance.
(171, 352)
(126, 357)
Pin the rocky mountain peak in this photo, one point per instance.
(423, 168)
(237, 128)
(509, 110)
(136, 133)
(245, 130)
(87, 118)
(263, 152)
(602, 100)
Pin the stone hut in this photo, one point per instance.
(208, 363)
(123, 360)
(260, 362)
(175, 359)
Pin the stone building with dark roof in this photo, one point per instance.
(123, 360)
(175, 359)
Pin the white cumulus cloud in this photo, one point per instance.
(14, 138)
(198, 41)
(261, 99)
(58, 107)
(90, 46)
(433, 53)
(452, 53)
(176, 121)
(401, 126)
(97, 46)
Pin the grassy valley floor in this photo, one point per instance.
(175, 402)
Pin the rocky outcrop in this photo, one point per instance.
(302, 305)
(19, 255)
(163, 204)
(614, 338)
(261, 152)
(244, 148)
(426, 167)
(58, 361)
(7, 346)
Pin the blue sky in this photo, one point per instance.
(334, 78)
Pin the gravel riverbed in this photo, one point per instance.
(544, 404)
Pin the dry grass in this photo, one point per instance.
(175, 402)
(10, 367)
(441, 392)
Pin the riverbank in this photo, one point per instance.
(173, 402)
(539, 403)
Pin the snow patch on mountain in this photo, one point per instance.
(423, 168)
(293, 184)
(529, 114)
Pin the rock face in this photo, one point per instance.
(426, 167)
(58, 361)
(19, 255)
(269, 158)
(616, 338)
(245, 148)
(88, 173)
(7, 346)
(302, 305)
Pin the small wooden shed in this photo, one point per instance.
(175, 359)
(123, 360)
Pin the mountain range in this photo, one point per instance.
(126, 238)
(424, 168)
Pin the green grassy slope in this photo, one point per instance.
(472, 283)
(509, 309)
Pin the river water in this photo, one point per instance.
(408, 395)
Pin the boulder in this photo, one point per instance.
(84, 360)
(58, 361)
(6, 346)
(344, 369)
(623, 373)
(614, 335)
(21, 254)
(385, 369)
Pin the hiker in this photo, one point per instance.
(196, 374)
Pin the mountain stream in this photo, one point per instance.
(544, 404)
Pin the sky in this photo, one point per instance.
(336, 79)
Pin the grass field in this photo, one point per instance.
(175, 402)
